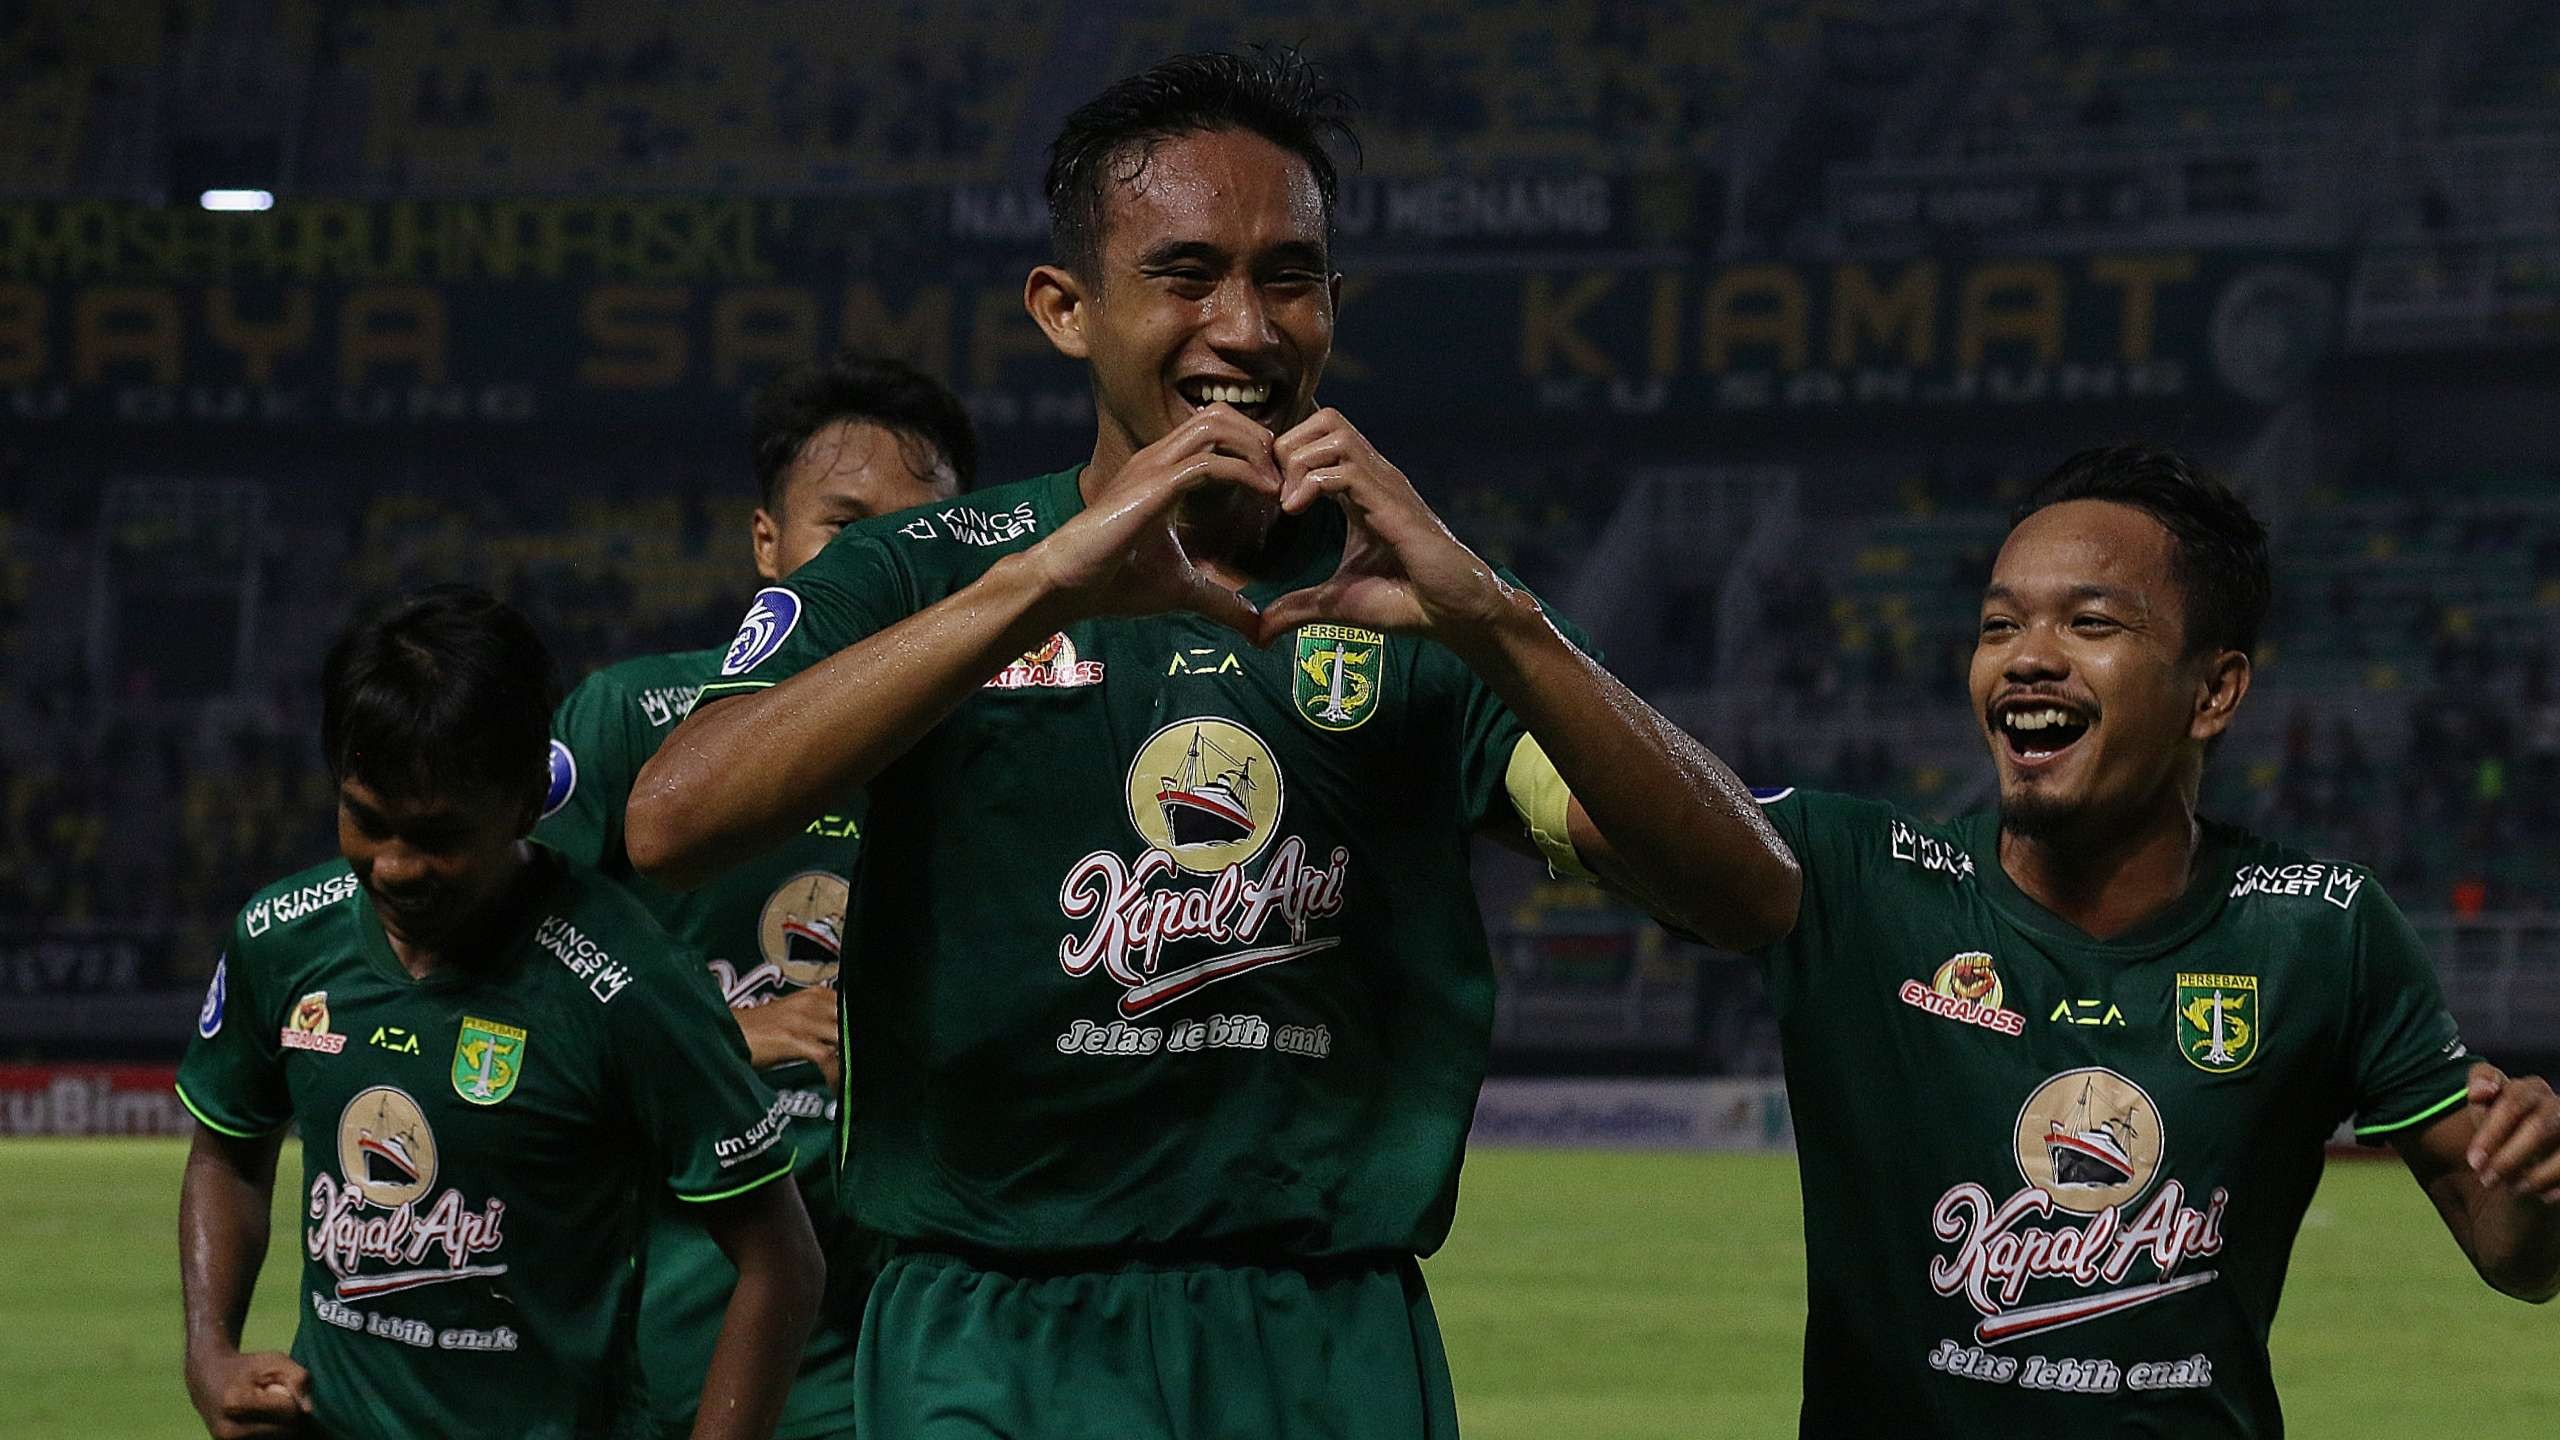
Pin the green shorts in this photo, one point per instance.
(953, 1351)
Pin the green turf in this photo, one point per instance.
(1594, 1296)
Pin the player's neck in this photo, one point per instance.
(476, 935)
(1228, 533)
(2108, 876)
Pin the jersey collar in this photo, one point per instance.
(2189, 914)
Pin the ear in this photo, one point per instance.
(1333, 294)
(2218, 696)
(1056, 300)
(766, 532)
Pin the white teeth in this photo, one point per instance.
(1215, 392)
(2034, 719)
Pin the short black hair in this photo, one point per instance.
(855, 385)
(2220, 559)
(1271, 91)
(447, 691)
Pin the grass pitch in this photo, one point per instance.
(1594, 1296)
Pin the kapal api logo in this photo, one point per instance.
(799, 938)
(375, 1206)
(771, 617)
(2088, 1143)
(1206, 795)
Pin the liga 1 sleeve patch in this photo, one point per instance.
(771, 618)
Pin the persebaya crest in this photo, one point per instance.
(487, 1059)
(2219, 1021)
(1339, 672)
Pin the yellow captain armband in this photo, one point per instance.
(1543, 799)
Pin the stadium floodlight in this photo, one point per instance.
(237, 199)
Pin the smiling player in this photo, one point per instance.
(2063, 1074)
(1171, 999)
(495, 1063)
(832, 444)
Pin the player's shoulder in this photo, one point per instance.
(284, 911)
(966, 531)
(603, 938)
(656, 686)
(2270, 876)
(1860, 822)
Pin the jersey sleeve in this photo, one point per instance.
(854, 587)
(2408, 1061)
(591, 773)
(232, 1079)
(1489, 744)
(1823, 831)
(715, 1128)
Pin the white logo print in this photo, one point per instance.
(769, 622)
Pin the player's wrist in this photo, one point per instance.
(1497, 624)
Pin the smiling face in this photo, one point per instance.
(2092, 706)
(431, 864)
(1212, 285)
(849, 470)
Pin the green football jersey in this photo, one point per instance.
(1159, 943)
(2051, 1183)
(479, 1147)
(770, 927)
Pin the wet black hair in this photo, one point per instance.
(444, 692)
(1270, 90)
(2220, 559)
(853, 385)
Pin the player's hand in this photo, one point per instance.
(799, 1026)
(243, 1397)
(1120, 554)
(2516, 1145)
(1401, 568)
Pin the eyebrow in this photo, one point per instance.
(1997, 591)
(1173, 250)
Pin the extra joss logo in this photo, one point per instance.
(1966, 989)
(306, 1027)
(1054, 666)
(770, 620)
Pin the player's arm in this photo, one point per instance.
(741, 775)
(222, 1239)
(1650, 809)
(2492, 1167)
(781, 1278)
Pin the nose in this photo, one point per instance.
(399, 865)
(1239, 320)
(2037, 655)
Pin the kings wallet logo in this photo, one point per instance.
(2219, 1019)
(1339, 673)
(1206, 794)
(488, 1059)
(306, 1026)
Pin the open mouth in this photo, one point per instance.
(1258, 399)
(2038, 731)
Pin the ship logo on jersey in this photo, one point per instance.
(1339, 671)
(2091, 1139)
(1053, 666)
(306, 1026)
(488, 1059)
(1207, 792)
(2089, 1143)
(770, 620)
(387, 1161)
(2219, 1020)
(1966, 989)
(563, 782)
(802, 929)
(1206, 795)
(385, 1150)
